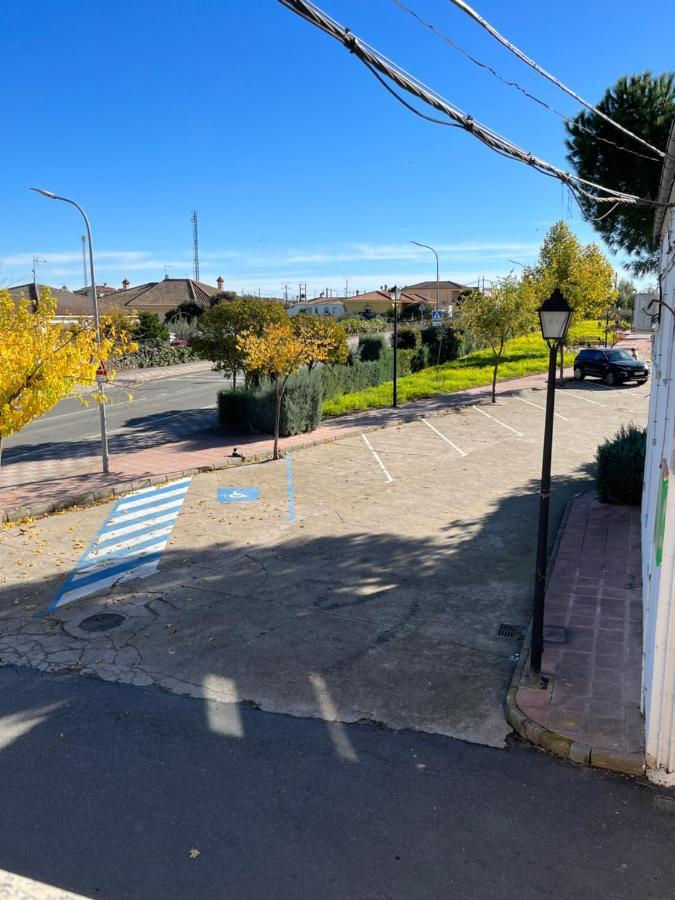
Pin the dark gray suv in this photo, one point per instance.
(613, 366)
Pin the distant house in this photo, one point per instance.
(323, 306)
(69, 305)
(101, 290)
(379, 303)
(448, 291)
(160, 297)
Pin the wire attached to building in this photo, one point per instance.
(514, 84)
(377, 61)
(460, 4)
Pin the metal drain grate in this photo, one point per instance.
(507, 630)
(101, 622)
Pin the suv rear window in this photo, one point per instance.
(586, 354)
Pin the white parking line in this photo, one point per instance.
(503, 424)
(377, 458)
(444, 438)
(537, 406)
(575, 395)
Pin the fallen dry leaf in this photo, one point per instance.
(194, 853)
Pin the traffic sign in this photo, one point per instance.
(101, 369)
(437, 317)
(238, 495)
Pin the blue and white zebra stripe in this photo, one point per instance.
(129, 544)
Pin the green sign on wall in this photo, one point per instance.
(660, 520)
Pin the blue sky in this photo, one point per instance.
(301, 166)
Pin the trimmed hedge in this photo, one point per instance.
(371, 347)
(409, 338)
(252, 409)
(621, 465)
(152, 354)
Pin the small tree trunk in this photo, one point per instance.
(494, 381)
(1, 439)
(277, 420)
(234, 379)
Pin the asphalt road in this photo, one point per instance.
(163, 410)
(106, 789)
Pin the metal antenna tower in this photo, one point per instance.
(195, 245)
(84, 261)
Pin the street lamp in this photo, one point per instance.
(395, 295)
(554, 319)
(101, 405)
(427, 247)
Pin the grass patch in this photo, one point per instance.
(522, 356)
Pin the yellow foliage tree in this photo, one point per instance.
(41, 361)
(583, 274)
(278, 352)
(324, 335)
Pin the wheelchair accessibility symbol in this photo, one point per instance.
(238, 495)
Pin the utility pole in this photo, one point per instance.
(195, 245)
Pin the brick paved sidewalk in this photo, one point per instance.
(39, 487)
(592, 702)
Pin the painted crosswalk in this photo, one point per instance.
(129, 544)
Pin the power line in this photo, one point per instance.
(514, 84)
(373, 59)
(460, 4)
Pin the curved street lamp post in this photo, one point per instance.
(101, 405)
(427, 247)
(554, 318)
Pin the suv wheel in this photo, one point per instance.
(579, 374)
(610, 378)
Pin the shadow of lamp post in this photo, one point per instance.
(554, 318)
(395, 295)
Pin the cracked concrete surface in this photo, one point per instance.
(380, 602)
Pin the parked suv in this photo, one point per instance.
(613, 366)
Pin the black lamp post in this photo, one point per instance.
(395, 295)
(554, 318)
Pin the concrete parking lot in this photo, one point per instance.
(368, 582)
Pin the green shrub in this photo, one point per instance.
(252, 409)
(409, 338)
(150, 328)
(444, 339)
(358, 376)
(421, 359)
(356, 325)
(621, 465)
(155, 353)
(232, 409)
(404, 364)
(371, 347)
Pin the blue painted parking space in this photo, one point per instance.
(129, 544)
(238, 495)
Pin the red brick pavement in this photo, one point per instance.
(593, 696)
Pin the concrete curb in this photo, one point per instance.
(561, 745)
(90, 498)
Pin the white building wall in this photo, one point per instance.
(642, 320)
(659, 580)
